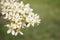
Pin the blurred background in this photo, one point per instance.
(49, 28)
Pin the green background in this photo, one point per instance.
(49, 28)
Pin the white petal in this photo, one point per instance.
(3, 13)
(13, 32)
(21, 33)
(21, 4)
(18, 26)
(27, 5)
(8, 31)
(33, 24)
(14, 27)
(16, 33)
(28, 25)
(7, 25)
(5, 17)
(9, 18)
(10, 13)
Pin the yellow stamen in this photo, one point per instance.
(11, 28)
(17, 30)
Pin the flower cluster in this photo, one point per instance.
(20, 15)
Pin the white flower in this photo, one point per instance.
(19, 15)
(11, 30)
(18, 31)
(12, 26)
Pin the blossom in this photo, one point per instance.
(18, 31)
(19, 15)
(11, 30)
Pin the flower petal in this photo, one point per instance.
(13, 32)
(21, 33)
(28, 25)
(8, 31)
(16, 33)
